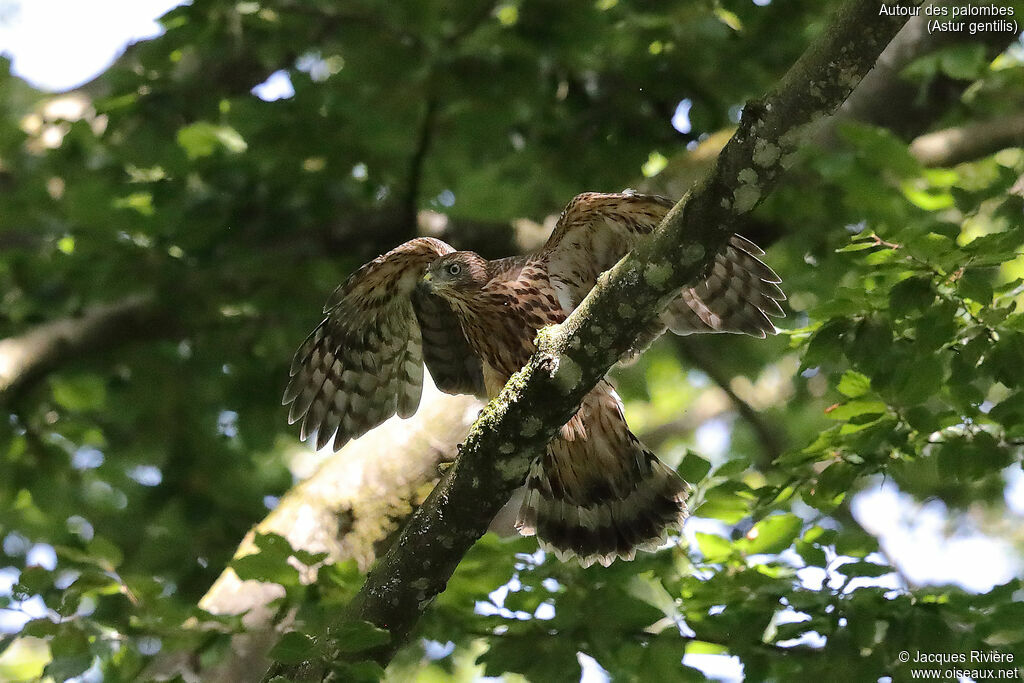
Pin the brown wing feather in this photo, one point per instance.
(596, 230)
(364, 362)
(592, 234)
(453, 366)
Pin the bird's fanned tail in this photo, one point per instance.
(602, 495)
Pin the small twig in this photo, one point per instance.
(416, 162)
(768, 437)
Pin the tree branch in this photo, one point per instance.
(768, 437)
(953, 146)
(574, 356)
(419, 156)
(27, 357)
(886, 99)
(349, 508)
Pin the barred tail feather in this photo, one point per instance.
(603, 496)
(609, 529)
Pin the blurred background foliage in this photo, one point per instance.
(133, 465)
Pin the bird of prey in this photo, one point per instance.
(597, 493)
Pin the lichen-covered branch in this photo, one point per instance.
(29, 356)
(885, 98)
(572, 357)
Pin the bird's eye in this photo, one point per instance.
(454, 269)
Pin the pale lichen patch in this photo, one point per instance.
(626, 311)
(692, 252)
(507, 448)
(790, 138)
(531, 426)
(766, 153)
(511, 470)
(849, 77)
(657, 274)
(569, 374)
(746, 196)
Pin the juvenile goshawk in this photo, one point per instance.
(597, 493)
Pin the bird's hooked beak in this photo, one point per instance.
(427, 281)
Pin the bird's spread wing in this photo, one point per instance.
(453, 366)
(596, 230)
(364, 362)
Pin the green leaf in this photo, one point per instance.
(649, 589)
(976, 284)
(728, 18)
(826, 345)
(925, 378)
(356, 636)
(723, 502)
(310, 559)
(260, 567)
(359, 672)
(33, 580)
(105, 551)
(911, 295)
(273, 545)
(79, 393)
(693, 468)
(293, 648)
(880, 148)
(203, 139)
(655, 164)
(64, 667)
(855, 408)
(965, 61)
(714, 548)
(772, 534)
(928, 200)
(865, 569)
(853, 384)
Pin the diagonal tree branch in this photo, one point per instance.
(31, 355)
(574, 356)
(884, 98)
(769, 438)
(953, 146)
(349, 508)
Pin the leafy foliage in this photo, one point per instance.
(142, 465)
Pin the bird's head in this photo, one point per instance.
(456, 274)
